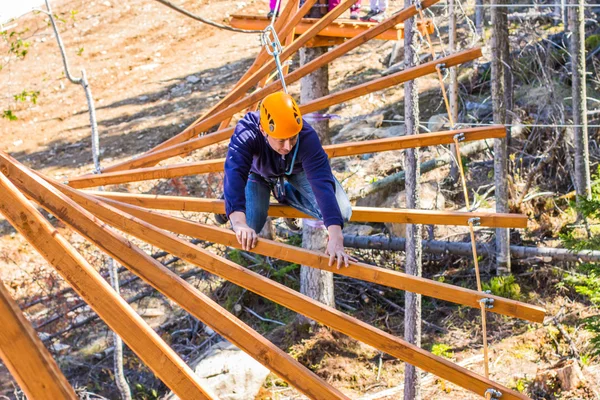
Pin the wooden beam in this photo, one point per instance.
(287, 297)
(390, 80)
(91, 287)
(382, 276)
(25, 356)
(317, 63)
(359, 214)
(167, 282)
(340, 28)
(239, 91)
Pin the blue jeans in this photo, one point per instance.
(298, 194)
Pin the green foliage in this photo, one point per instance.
(9, 115)
(587, 279)
(520, 385)
(504, 286)
(442, 350)
(15, 43)
(282, 272)
(592, 42)
(144, 393)
(80, 51)
(27, 95)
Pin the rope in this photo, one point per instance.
(465, 190)
(204, 20)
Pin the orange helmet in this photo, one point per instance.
(280, 116)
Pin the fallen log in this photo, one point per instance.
(396, 181)
(464, 249)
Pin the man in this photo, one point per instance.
(277, 151)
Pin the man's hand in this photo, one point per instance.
(245, 235)
(335, 247)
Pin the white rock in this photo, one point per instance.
(192, 79)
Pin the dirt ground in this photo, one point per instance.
(152, 72)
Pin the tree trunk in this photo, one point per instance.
(412, 317)
(315, 283)
(580, 132)
(499, 37)
(479, 17)
(453, 87)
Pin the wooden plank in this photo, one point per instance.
(398, 280)
(390, 80)
(172, 171)
(340, 28)
(324, 41)
(25, 356)
(315, 64)
(287, 297)
(359, 214)
(91, 287)
(167, 282)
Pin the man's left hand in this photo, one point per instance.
(335, 247)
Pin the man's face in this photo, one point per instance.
(281, 146)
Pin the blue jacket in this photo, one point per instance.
(249, 151)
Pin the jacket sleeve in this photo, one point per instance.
(318, 172)
(237, 168)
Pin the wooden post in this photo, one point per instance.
(386, 277)
(166, 281)
(413, 263)
(25, 356)
(499, 35)
(91, 287)
(583, 184)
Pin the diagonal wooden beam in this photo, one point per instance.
(382, 276)
(25, 356)
(288, 297)
(315, 64)
(167, 282)
(155, 157)
(91, 287)
(359, 214)
(240, 90)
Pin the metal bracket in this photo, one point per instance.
(418, 5)
(494, 394)
(441, 66)
(460, 137)
(487, 302)
(475, 221)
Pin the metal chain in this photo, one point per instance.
(272, 45)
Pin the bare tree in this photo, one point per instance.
(453, 87)
(580, 131)
(499, 39)
(120, 380)
(315, 283)
(412, 317)
(479, 17)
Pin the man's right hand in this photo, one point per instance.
(245, 235)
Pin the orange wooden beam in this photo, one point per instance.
(90, 286)
(25, 356)
(382, 276)
(287, 297)
(166, 281)
(338, 150)
(359, 214)
(339, 28)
